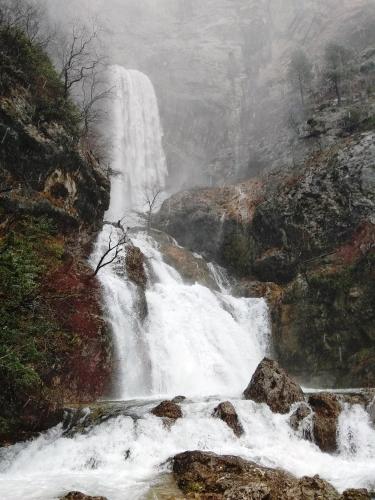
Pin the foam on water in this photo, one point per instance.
(194, 341)
(97, 462)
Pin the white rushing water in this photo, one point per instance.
(194, 341)
(200, 342)
(135, 137)
(121, 458)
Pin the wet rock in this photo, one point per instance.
(356, 495)
(309, 230)
(168, 409)
(178, 399)
(83, 420)
(272, 385)
(326, 409)
(371, 410)
(226, 412)
(206, 475)
(275, 265)
(297, 420)
(192, 268)
(76, 495)
(135, 266)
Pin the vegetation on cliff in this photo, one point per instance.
(53, 340)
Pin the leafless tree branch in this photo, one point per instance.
(114, 248)
(151, 195)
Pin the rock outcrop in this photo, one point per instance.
(226, 412)
(192, 268)
(169, 410)
(53, 194)
(135, 266)
(326, 409)
(311, 234)
(271, 384)
(206, 475)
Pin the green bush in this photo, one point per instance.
(27, 331)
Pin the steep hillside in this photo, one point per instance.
(54, 345)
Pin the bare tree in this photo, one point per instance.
(27, 16)
(151, 196)
(94, 92)
(114, 247)
(78, 57)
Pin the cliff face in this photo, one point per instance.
(219, 71)
(54, 344)
(305, 239)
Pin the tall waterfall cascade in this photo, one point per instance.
(135, 138)
(196, 341)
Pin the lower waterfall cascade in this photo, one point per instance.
(200, 342)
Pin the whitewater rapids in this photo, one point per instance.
(200, 342)
(122, 458)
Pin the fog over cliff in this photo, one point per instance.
(219, 70)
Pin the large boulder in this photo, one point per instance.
(326, 409)
(272, 385)
(226, 412)
(207, 475)
(167, 409)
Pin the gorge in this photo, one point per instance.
(154, 376)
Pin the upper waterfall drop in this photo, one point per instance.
(135, 136)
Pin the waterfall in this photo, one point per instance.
(194, 341)
(135, 139)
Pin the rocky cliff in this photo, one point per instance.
(54, 344)
(219, 70)
(305, 239)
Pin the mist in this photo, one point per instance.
(219, 70)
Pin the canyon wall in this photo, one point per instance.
(219, 71)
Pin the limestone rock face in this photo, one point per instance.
(326, 409)
(311, 234)
(226, 412)
(168, 409)
(206, 475)
(53, 195)
(223, 112)
(49, 172)
(271, 384)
